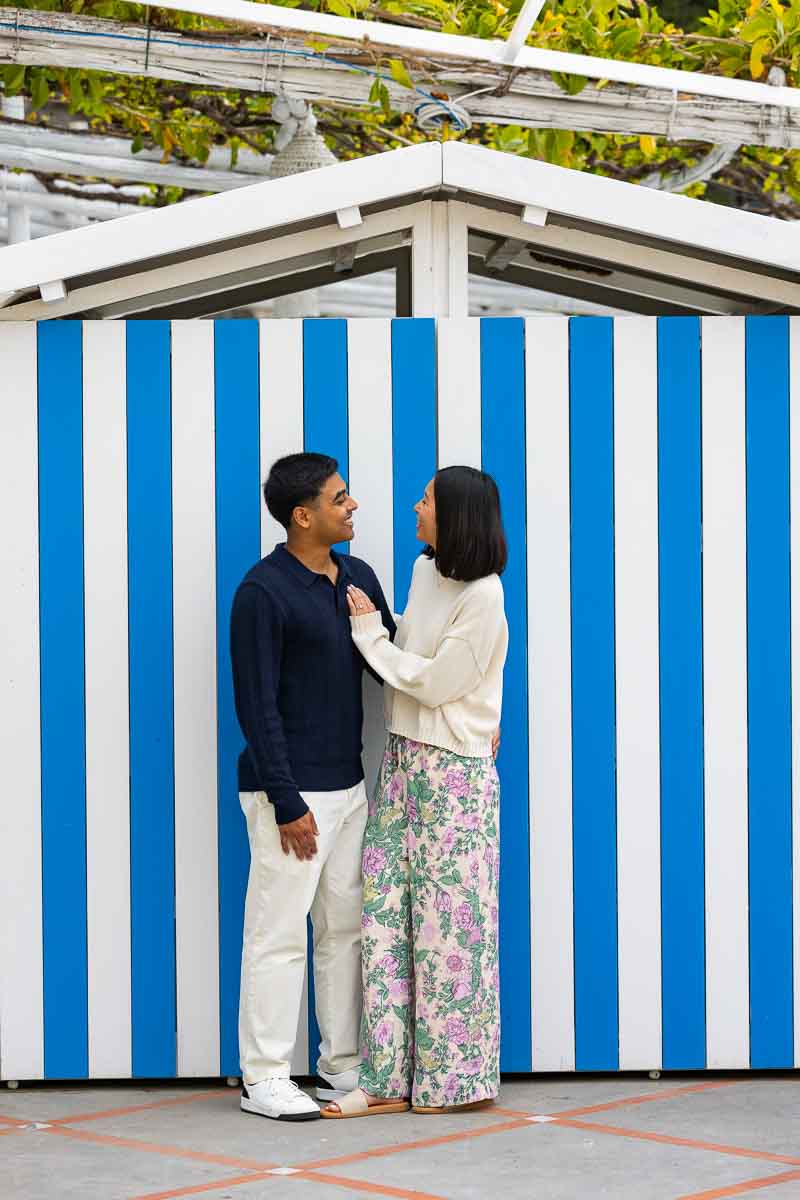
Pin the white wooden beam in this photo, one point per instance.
(674, 104)
(522, 27)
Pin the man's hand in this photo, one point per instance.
(301, 836)
(496, 742)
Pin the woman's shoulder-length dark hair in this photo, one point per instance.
(470, 540)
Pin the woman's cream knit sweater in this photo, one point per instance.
(444, 671)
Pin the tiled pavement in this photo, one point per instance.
(554, 1138)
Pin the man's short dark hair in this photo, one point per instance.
(470, 541)
(296, 480)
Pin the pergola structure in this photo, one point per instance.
(435, 214)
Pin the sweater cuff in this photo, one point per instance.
(289, 805)
(368, 624)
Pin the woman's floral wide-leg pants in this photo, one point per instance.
(429, 928)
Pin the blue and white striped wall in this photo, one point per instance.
(651, 865)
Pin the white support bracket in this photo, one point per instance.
(54, 290)
(349, 217)
(533, 215)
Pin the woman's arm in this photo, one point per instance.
(432, 681)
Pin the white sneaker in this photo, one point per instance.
(280, 1099)
(340, 1085)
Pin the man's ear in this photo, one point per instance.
(301, 517)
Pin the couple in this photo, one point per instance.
(407, 930)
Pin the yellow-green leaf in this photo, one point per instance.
(399, 73)
(759, 49)
(647, 145)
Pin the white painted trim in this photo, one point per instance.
(21, 1003)
(725, 693)
(105, 532)
(637, 691)
(550, 693)
(195, 698)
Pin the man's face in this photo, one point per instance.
(330, 518)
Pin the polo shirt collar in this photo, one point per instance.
(301, 571)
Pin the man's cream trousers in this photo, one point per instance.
(281, 891)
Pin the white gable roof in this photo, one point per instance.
(216, 243)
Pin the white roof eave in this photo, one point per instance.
(208, 220)
(624, 206)
(471, 171)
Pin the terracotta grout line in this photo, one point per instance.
(210, 1185)
(647, 1098)
(420, 1144)
(15, 1121)
(748, 1185)
(108, 1139)
(194, 1098)
(666, 1139)
(365, 1185)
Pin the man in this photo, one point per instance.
(297, 681)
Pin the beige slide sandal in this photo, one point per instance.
(355, 1104)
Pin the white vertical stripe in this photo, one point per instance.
(725, 692)
(458, 345)
(637, 691)
(195, 717)
(550, 692)
(105, 532)
(281, 415)
(281, 388)
(21, 1015)
(794, 445)
(369, 398)
(369, 391)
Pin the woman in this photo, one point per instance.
(431, 1028)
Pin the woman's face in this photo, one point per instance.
(426, 517)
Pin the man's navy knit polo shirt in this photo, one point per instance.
(297, 678)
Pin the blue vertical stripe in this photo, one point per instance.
(238, 501)
(149, 404)
(63, 720)
(769, 692)
(325, 418)
(681, 694)
(594, 804)
(413, 438)
(503, 456)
